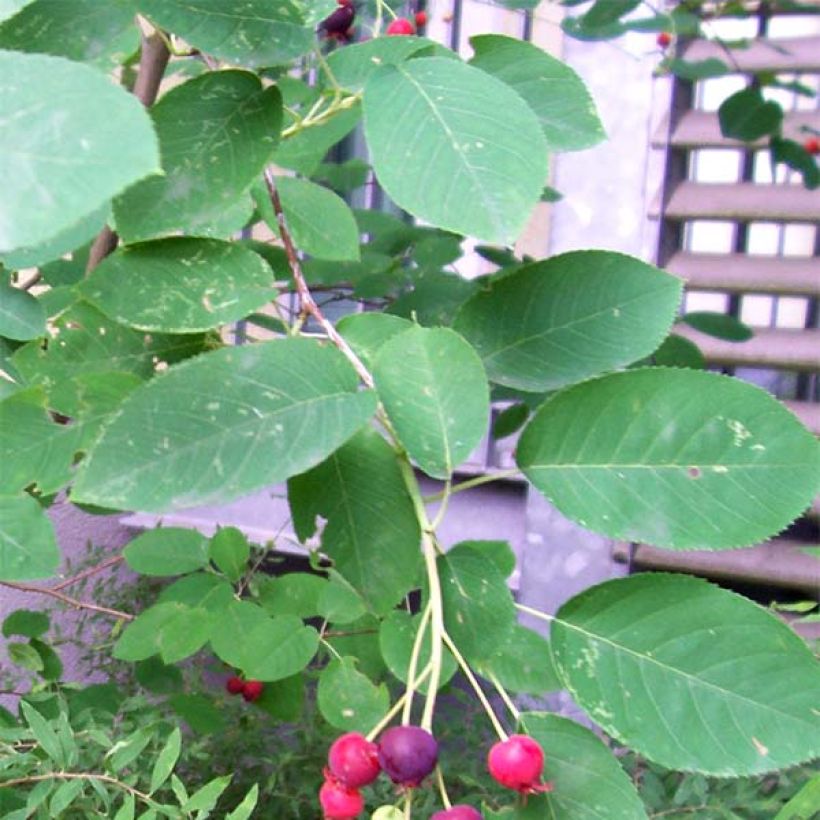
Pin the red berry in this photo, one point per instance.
(353, 760)
(664, 39)
(812, 145)
(339, 802)
(400, 26)
(345, 2)
(408, 754)
(252, 690)
(234, 685)
(517, 763)
(460, 812)
(421, 19)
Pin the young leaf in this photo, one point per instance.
(166, 760)
(225, 424)
(682, 458)
(482, 173)
(244, 810)
(205, 799)
(347, 698)
(690, 675)
(69, 140)
(28, 548)
(26, 622)
(435, 392)
(559, 321)
(45, 736)
(372, 533)
(167, 551)
(24, 655)
(230, 551)
(126, 810)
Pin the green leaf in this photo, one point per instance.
(167, 551)
(372, 533)
(157, 677)
(173, 630)
(719, 325)
(681, 458)
(264, 648)
(397, 635)
(296, 593)
(746, 115)
(26, 622)
(556, 322)
(510, 420)
(230, 552)
(64, 796)
(28, 548)
(179, 285)
(224, 424)
(435, 392)
(216, 133)
(552, 89)
(435, 298)
(522, 663)
(199, 712)
(367, 332)
(128, 749)
(253, 33)
(244, 810)
(320, 222)
(339, 602)
(348, 700)
(676, 351)
(589, 783)
(166, 760)
(69, 140)
(126, 810)
(22, 316)
(690, 675)
(804, 804)
(479, 612)
(795, 156)
(697, 69)
(205, 799)
(9, 8)
(283, 699)
(343, 177)
(43, 733)
(202, 589)
(51, 667)
(25, 655)
(499, 552)
(87, 31)
(482, 173)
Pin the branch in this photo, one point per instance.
(104, 778)
(153, 61)
(308, 302)
(74, 603)
(111, 562)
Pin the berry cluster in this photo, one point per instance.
(403, 26)
(409, 754)
(249, 689)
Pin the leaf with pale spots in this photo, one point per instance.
(677, 458)
(691, 676)
(348, 699)
(224, 424)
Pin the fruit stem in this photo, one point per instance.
(505, 696)
(468, 673)
(411, 667)
(442, 510)
(408, 804)
(442, 788)
(397, 706)
(437, 634)
(331, 77)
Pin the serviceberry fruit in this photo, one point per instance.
(460, 812)
(408, 754)
(400, 26)
(339, 802)
(338, 22)
(664, 39)
(812, 145)
(421, 19)
(234, 685)
(353, 760)
(517, 763)
(252, 690)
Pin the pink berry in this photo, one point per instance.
(400, 26)
(459, 812)
(353, 760)
(234, 685)
(252, 690)
(812, 145)
(517, 763)
(339, 802)
(408, 754)
(421, 19)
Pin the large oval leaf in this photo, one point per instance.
(216, 133)
(552, 89)
(28, 548)
(348, 699)
(677, 458)
(179, 285)
(372, 533)
(556, 322)
(692, 676)
(167, 551)
(224, 424)
(22, 317)
(251, 33)
(434, 389)
(69, 141)
(485, 157)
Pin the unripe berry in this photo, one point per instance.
(400, 26)
(664, 39)
(234, 685)
(812, 146)
(459, 812)
(353, 760)
(408, 754)
(421, 19)
(517, 763)
(338, 802)
(252, 690)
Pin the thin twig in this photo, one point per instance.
(75, 603)
(308, 302)
(104, 778)
(81, 576)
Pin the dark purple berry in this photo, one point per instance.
(408, 754)
(337, 22)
